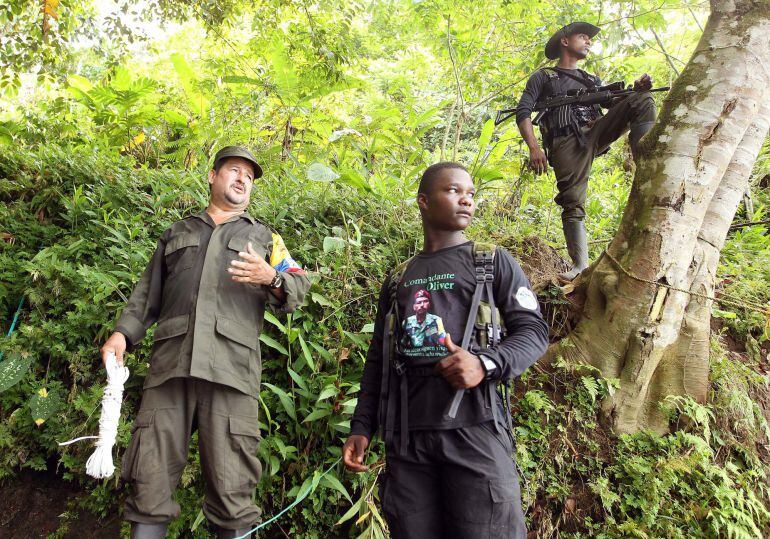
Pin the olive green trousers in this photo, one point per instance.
(572, 161)
(228, 439)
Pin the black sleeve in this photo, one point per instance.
(143, 307)
(365, 420)
(527, 337)
(530, 95)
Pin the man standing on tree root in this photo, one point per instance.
(206, 286)
(449, 469)
(573, 135)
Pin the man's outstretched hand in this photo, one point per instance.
(251, 268)
(353, 453)
(460, 368)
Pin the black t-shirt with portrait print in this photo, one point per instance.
(433, 300)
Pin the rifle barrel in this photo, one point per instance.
(590, 98)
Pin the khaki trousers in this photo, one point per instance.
(228, 438)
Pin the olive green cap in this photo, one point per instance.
(238, 151)
(578, 27)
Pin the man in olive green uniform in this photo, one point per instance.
(206, 287)
(574, 135)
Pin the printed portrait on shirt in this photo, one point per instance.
(423, 329)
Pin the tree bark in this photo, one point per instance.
(692, 170)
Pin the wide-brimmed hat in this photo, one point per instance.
(578, 27)
(238, 151)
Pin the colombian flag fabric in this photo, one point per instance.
(280, 258)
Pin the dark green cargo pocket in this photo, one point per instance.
(141, 459)
(171, 327)
(236, 348)
(242, 467)
(165, 349)
(181, 250)
(238, 244)
(235, 331)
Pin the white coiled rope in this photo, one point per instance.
(100, 463)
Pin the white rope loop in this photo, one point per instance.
(99, 464)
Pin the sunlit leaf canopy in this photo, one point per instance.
(337, 82)
(110, 113)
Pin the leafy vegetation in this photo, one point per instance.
(107, 143)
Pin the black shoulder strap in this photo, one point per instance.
(588, 76)
(553, 84)
(483, 261)
(395, 279)
(387, 409)
(584, 79)
(550, 72)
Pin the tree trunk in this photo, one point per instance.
(691, 175)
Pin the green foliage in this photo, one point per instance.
(704, 480)
(345, 103)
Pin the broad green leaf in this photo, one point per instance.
(306, 353)
(321, 300)
(199, 518)
(356, 339)
(333, 243)
(317, 414)
(12, 370)
(188, 78)
(318, 172)
(486, 134)
(329, 391)
(298, 379)
(424, 117)
(284, 398)
(322, 351)
(272, 343)
(43, 405)
(81, 83)
(353, 511)
(331, 481)
(284, 76)
(270, 317)
(355, 179)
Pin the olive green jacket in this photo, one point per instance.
(208, 324)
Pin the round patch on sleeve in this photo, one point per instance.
(526, 298)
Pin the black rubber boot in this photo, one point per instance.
(577, 247)
(140, 530)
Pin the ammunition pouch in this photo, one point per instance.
(485, 332)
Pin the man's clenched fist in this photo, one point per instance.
(460, 368)
(115, 344)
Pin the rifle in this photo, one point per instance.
(577, 96)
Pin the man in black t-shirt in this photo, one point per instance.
(446, 477)
(574, 135)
